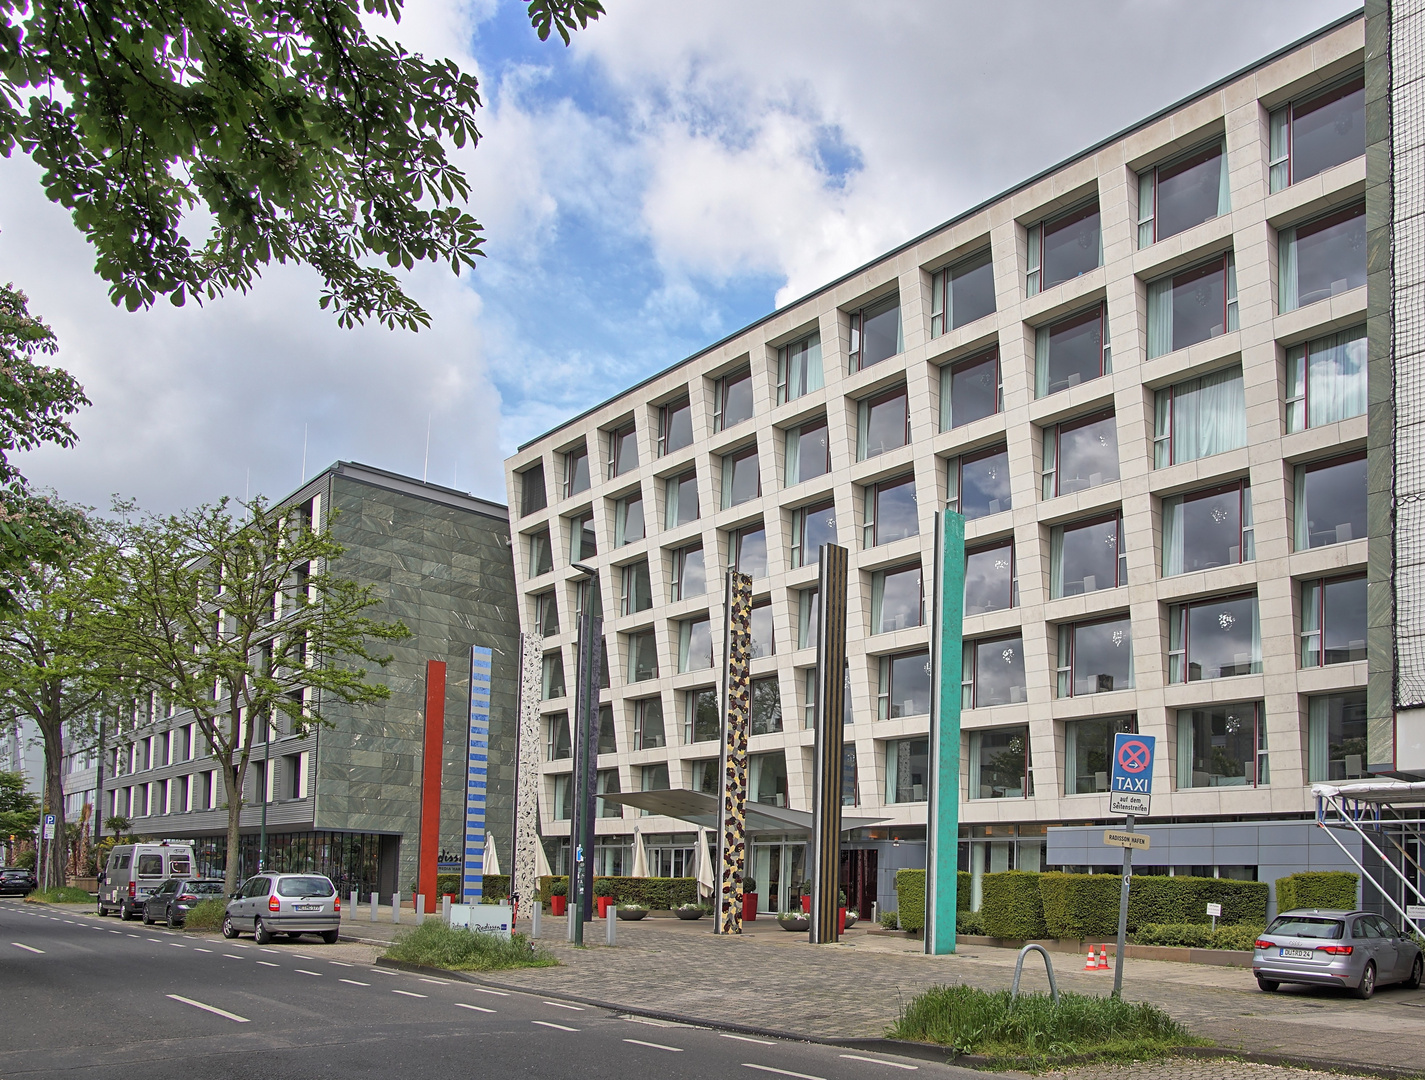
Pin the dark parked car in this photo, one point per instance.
(171, 901)
(17, 882)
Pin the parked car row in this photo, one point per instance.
(1353, 949)
(134, 871)
(17, 881)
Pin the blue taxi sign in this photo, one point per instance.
(1131, 781)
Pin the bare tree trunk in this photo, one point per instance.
(56, 850)
(232, 781)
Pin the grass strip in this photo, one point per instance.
(206, 915)
(65, 894)
(433, 944)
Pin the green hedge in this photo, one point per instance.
(496, 886)
(1197, 936)
(1154, 899)
(1011, 906)
(910, 899)
(969, 922)
(1326, 889)
(659, 894)
(1080, 905)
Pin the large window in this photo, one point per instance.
(741, 481)
(1326, 379)
(1322, 257)
(883, 424)
(682, 500)
(807, 603)
(1192, 305)
(1088, 752)
(764, 642)
(608, 737)
(1095, 658)
(799, 369)
(689, 572)
(990, 580)
(767, 778)
(653, 778)
(648, 731)
(701, 719)
(576, 471)
(1063, 247)
(1330, 502)
(1080, 454)
(707, 777)
(962, 293)
(675, 426)
(532, 491)
(642, 657)
(766, 703)
(563, 797)
(904, 686)
(907, 770)
(546, 614)
(623, 450)
(552, 676)
(637, 589)
(897, 599)
(970, 390)
(732, 400)
(808, 452)
(1199, 417)
(1182, 192)
(1214, 639)
(992, 673)
(559, 746)
(1336, 737)
(1313, 134)
(1086, 556)
(582, 542)
(541, 553)
(694, 644)
(1071, 351)
(977, 485)
(607, 784)
(812, 526)
(1222, 746)
(891, 512)
(1333, 621)
(1207, 529)
(628, 519)
(749, 551)
(876, 333)
(1000, 764)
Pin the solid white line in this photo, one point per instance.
(27, 948)
(304, 971)
(353, 982)
(656, 1046)
(783, 1072)
(476, 1008)
(482, 990)
(878, 1061)
(268, 963)
(408, 993)
(746, 1038)
(561, 1005)
(546, 1023)
(211, 1008)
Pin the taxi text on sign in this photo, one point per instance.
(1131, 782)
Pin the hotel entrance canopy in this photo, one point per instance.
(701, 809)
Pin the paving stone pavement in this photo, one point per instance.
(1189, 1069)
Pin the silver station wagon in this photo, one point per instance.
(291, 904)
(1352, 949)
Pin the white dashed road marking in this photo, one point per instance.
(546, 1023)
(408, 993)
(656, 1046)
(211, 1008)
(268, 963)
(353, 982)
(27, 948)
(878, 1061)
(561, 1005)
(746, 1038)
(482, 990)
(781, 1072)
(304, 971)
(473, 1008)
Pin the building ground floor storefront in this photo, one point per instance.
(367, 862)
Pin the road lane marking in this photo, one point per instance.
(304, 971)
(196, 949)
(656, 1046)
(353, 982)
(133, 935)
(879, 1061)
(546, 1023)
(438, 982)
(232, 956)
(474, 1008)
(338, 963)
(156, 941)
(211, 1008)
(782, 1072)
(178, 945)
(27, 948)
(119, 932)
(268, 963)
(274, 951)
(482, 990)
(561, 1005)
(299, 956)
(382, 971)
(746, 1038)
(408, 993)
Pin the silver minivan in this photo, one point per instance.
(291, 904)
(135, 870)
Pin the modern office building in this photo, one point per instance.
(1142, 377)
(345, 799)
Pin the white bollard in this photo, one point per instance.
(355, 902)
(534, 914)
(420, 908)
(395, 907)
(612, 919)
(375, 902)
(445, 909)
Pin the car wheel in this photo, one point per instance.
(1368, 981)
(1268, 985)
(126, 913)
(260, 933)
(1416, 973)
(330, 936)
(229, 930)
(102, 910)
(172, 923)
(146, 920)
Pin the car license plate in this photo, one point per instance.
(307, 907)
(1297, 954)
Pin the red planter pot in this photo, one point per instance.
(806, 905)
(841, 920)
(556, 904)
(604, 902)
(749, 907)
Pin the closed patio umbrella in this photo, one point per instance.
(640, 857)
(705, 867)
(492, 859)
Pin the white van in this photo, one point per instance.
(135, 870)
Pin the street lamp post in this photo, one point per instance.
(266, 783)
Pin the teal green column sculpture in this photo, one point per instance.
(942, 833)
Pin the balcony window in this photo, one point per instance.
(990, 580)
(642, 657)
(1095, 658)
(1333, 621)
(812, 526)
(559, 746)
(799, 369)
(876, 333)
(732, 400)
(897, 600)
(648, 724)
(707, 776)
(587, 591)
(628, 519)
(541, 553)
(891, 512)
(552, 676)
(767, 778)
(978, 484)
(1214, 639)
(904, 686)
(653, 778)
(807, 604)
(576, 471)
(695, 644)
(999, 764)
(766, 706)
(970, 390)
(741, 481)
(907, 770)
(582, 543)
(1199, 417)
(689, 573)
(808, 452)
(1086, 556)
(532, 493)
(992, 673)
(702, 720)
(608, 739)
(850, 782)
(1222, 746)
(1311, 135)
(1336, 737)
(1326, 379)
(1321, 258)
(682, 500)
(1079, 455)
(1182, 192)
(675, 426)
(1063, 247)
(607, 783)
(563, 797)
(1088, 752)
(623, 450)
(546, 614)
(763, 641)
(883, 424)
(1071, 351)
(1207, 529)
(637, 593)
(1192, 305)
(749, 551)
(1330, 502)
(962, 293)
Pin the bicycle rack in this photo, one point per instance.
(1019, 970)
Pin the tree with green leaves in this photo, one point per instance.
(281, 127)
(240, 620)
(19, 813)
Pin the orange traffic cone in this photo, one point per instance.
(1090, 964)
(1102, 958)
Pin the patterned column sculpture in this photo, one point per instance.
(524, 860)
(737, 712)
(828, 753)
(477, 771)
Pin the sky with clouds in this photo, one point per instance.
(679, 171)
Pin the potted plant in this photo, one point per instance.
(603, 896)
(841, 911)
(806, 897)
(558, 897)
(749, 899)
(689, 912)
(852, 917)
(794, 920)
(631, 912)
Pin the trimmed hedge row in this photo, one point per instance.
(910, 899)
(659, 894)
(1012, 906)
(497, 886)
(1196, 936)
(1321, 889)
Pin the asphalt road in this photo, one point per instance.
(85, 997)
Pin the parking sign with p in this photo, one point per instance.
(1131, 781)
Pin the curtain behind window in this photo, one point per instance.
(1160, 317)
(1172, 536)
(1209, 416)
(1337, 377)
(794, 443)
(1318, 740)
(1185, 747)
(1286, 270)
(1041, 362)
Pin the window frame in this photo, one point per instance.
(1300, 525)
(986, 549)
(947, 381)
(622, 505)
(1170, 439)
(1166, 286)
(876, 307)
(672, 496)
(864, 408)
(1120, 562)
(628, 575)
(678, 579)
(690, 715)
(799, 556)
(1341, 87)
(1298, 403)
(578, 525)
(527, 506)
(955, 469)
(1183, 653)
(763, 605)
(970, 687)
(791, 444)
(878, 597)
(617, 445)
(1034, 234)
(942, 291)
(1315, 606)
(1246, 523)
(571, 470)
(886, 684)
(1105, 360)
(736, 537)
(784, 381)
(665, 414)
(720, 388)
(1288, 254)
(1260, 773)
(640, 727)
(634, 639)
(1051, 473)
(1066, 671)
(871, 509)
(730, 461)
(685, 642)
(1151, 178)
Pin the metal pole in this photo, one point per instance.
(586, 744)
(1123, 917)
(266, 786)
(99, 799)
